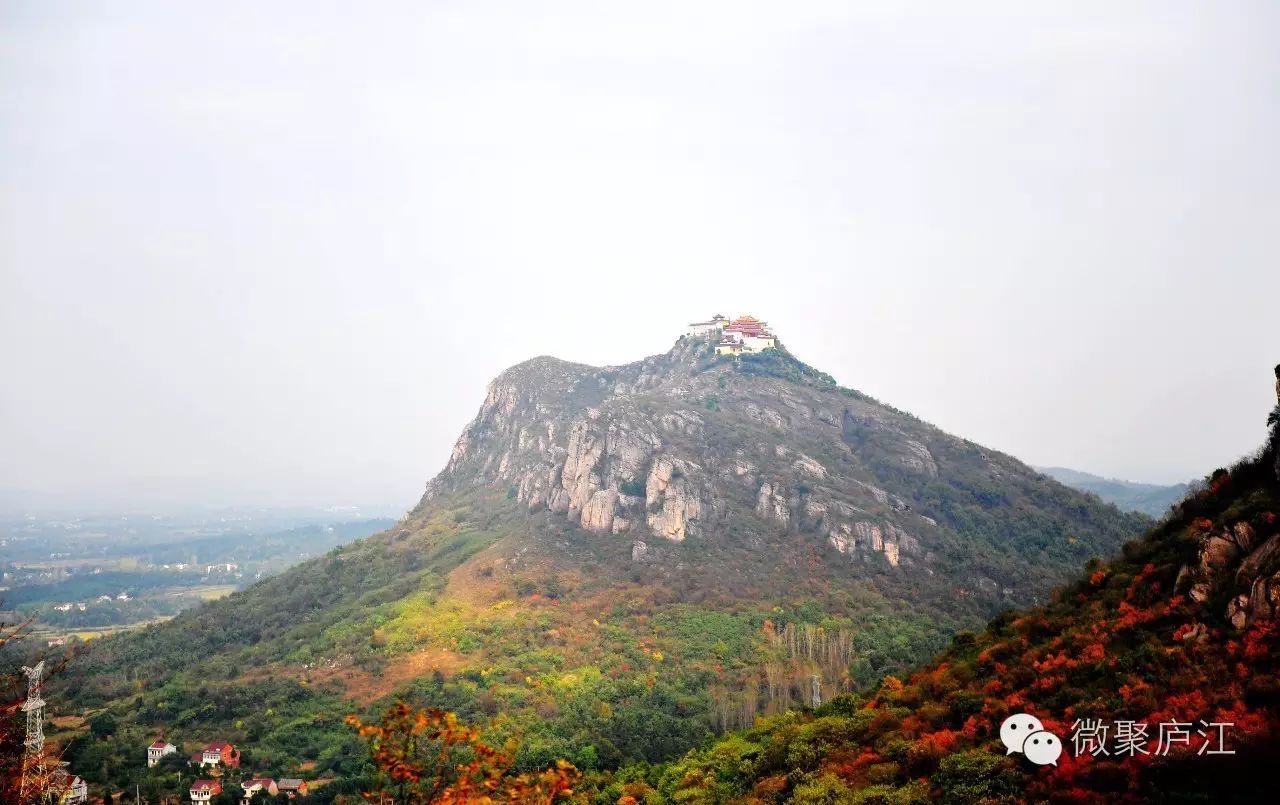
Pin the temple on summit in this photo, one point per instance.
(743, 334)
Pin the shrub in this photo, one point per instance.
(635, 489)
(976, 775)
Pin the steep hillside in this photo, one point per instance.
(736, 452)
(593, 570)
(1152, 499)
(1179, 634)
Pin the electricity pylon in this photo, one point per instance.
(41, 783)
(33, 777)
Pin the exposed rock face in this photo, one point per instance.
(1235, 559)
(771, 505)
(870, 536)
(918, 457)
(599, 513)
(672, 499)
(807, 466)
(679, 446)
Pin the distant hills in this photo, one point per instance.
(1151, 499)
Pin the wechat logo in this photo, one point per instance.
(1024, 733)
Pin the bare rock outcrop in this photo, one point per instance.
(807, 466)
(599, 513)
(672, 499)
(1235, 559)
(771, 504)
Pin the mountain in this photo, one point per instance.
(592, 571)
(732, 453)
(1151, 499)
(1178, 634)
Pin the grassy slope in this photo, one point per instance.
(215, 672)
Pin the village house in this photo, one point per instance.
(78, 793)
(157, 751)
(204, 790)
(218, 753)
(255, 785)
(291, 787)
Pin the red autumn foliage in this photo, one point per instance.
(429, 756)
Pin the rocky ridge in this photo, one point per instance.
(687, 445)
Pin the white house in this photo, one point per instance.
(255, 785)
(157, 751)
(77, 794)
(204, 790)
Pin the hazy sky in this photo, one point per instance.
(272, 252)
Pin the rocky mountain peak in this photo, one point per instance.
(695, 444)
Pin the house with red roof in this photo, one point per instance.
(77, 793)
(218, 753)
(204, 790)
(256, 785)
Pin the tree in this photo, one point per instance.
(428, 755)
(227, 797)
(102, 726)
(977, 775)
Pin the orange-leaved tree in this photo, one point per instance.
(12, 694)
(429, 756)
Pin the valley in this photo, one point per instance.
(80, 576)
